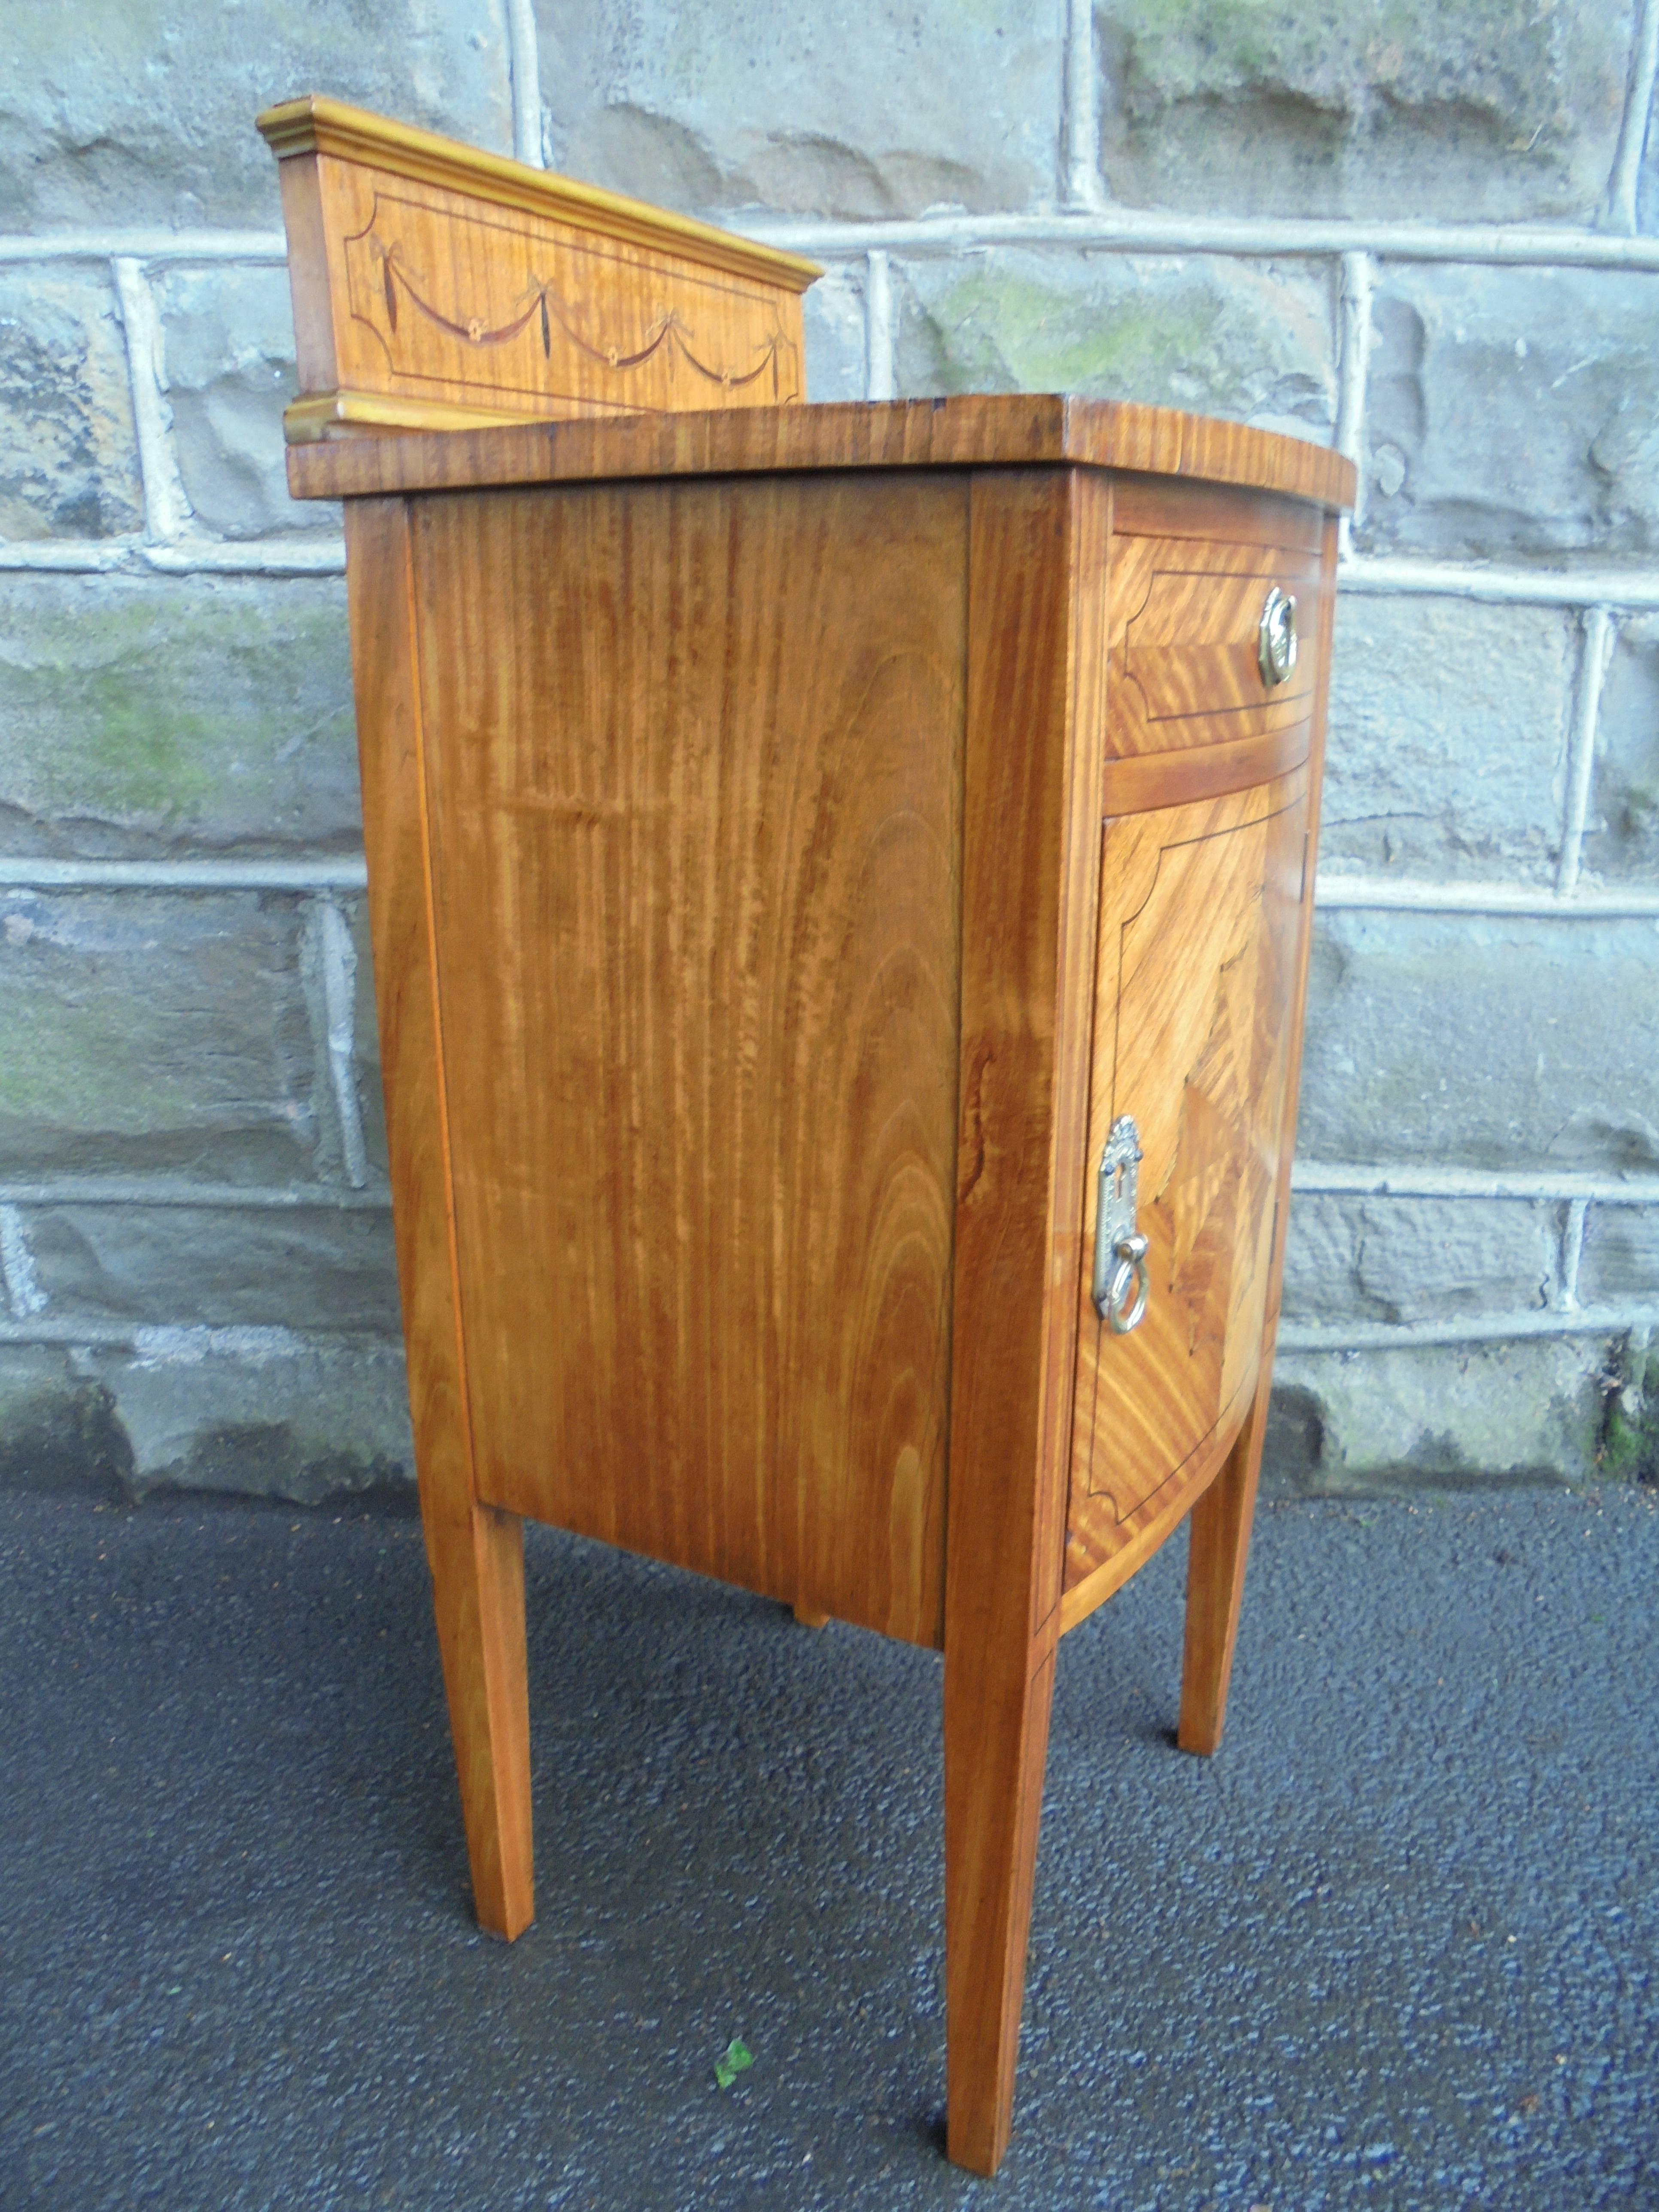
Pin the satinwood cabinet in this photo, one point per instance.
(840, 883)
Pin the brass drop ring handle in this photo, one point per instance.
(1120, 1282)
(1276, 639)
(1130, 1275)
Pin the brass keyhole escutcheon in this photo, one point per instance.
(1276, 642)
(1119, 1285)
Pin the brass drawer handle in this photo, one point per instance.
(1129, 1274)
(1276, 640)
(1120, 1284)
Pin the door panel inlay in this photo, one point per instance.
(1193, 987)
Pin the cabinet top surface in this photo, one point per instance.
(1011, 430)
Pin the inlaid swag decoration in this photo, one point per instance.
(543, 315)
(435, 286)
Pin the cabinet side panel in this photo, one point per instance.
(694, 767)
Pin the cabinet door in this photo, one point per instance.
(1195, 985)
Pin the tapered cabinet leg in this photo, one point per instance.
(478, 1584)
(1215, 1583)
(995, 1750)
(1032, 804)
(1222, 1517)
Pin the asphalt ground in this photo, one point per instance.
(1397, 1946)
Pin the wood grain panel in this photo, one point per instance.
(697, 842)
(1186, 622)
(430, 280)
(1005, 430)
(1030, 884)
(1199, 917)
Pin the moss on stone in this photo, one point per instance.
(1478, 53)
(101, 1061)
(1006, 332)
(1248, 341)
(177, 709)
(1628, 1447)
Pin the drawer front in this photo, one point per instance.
(1194, 990)
(1185, 628)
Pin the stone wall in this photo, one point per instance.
(1426, 232)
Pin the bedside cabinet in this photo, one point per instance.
(839, 881)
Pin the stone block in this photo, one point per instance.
(264, 1413)
(144, 715)
(155, 1032)
(315, 1268)
(1439, 1416)
(129, 112)
(1510, 412)
(1456, 110)
(1447, 749)
(228, 336)
(816, 110)
(1417, 1260)
(1621, 830)
(1482, 1040)
(1241, 339)
(58, 1430)
(69, 461)
(322, 945)
(833, 314)
(250, 1411)
(366, 1043)
(1620, 1258)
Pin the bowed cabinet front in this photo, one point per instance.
(801, 843)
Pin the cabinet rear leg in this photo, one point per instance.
(476, 1556)
(1215, 1583)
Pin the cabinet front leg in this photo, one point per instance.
(996, 1743)
(477, 1586)
(1215, 1582)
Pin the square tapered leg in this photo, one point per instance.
(477, 1587)
(1215, 1583)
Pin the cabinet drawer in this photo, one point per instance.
(1185, 628)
